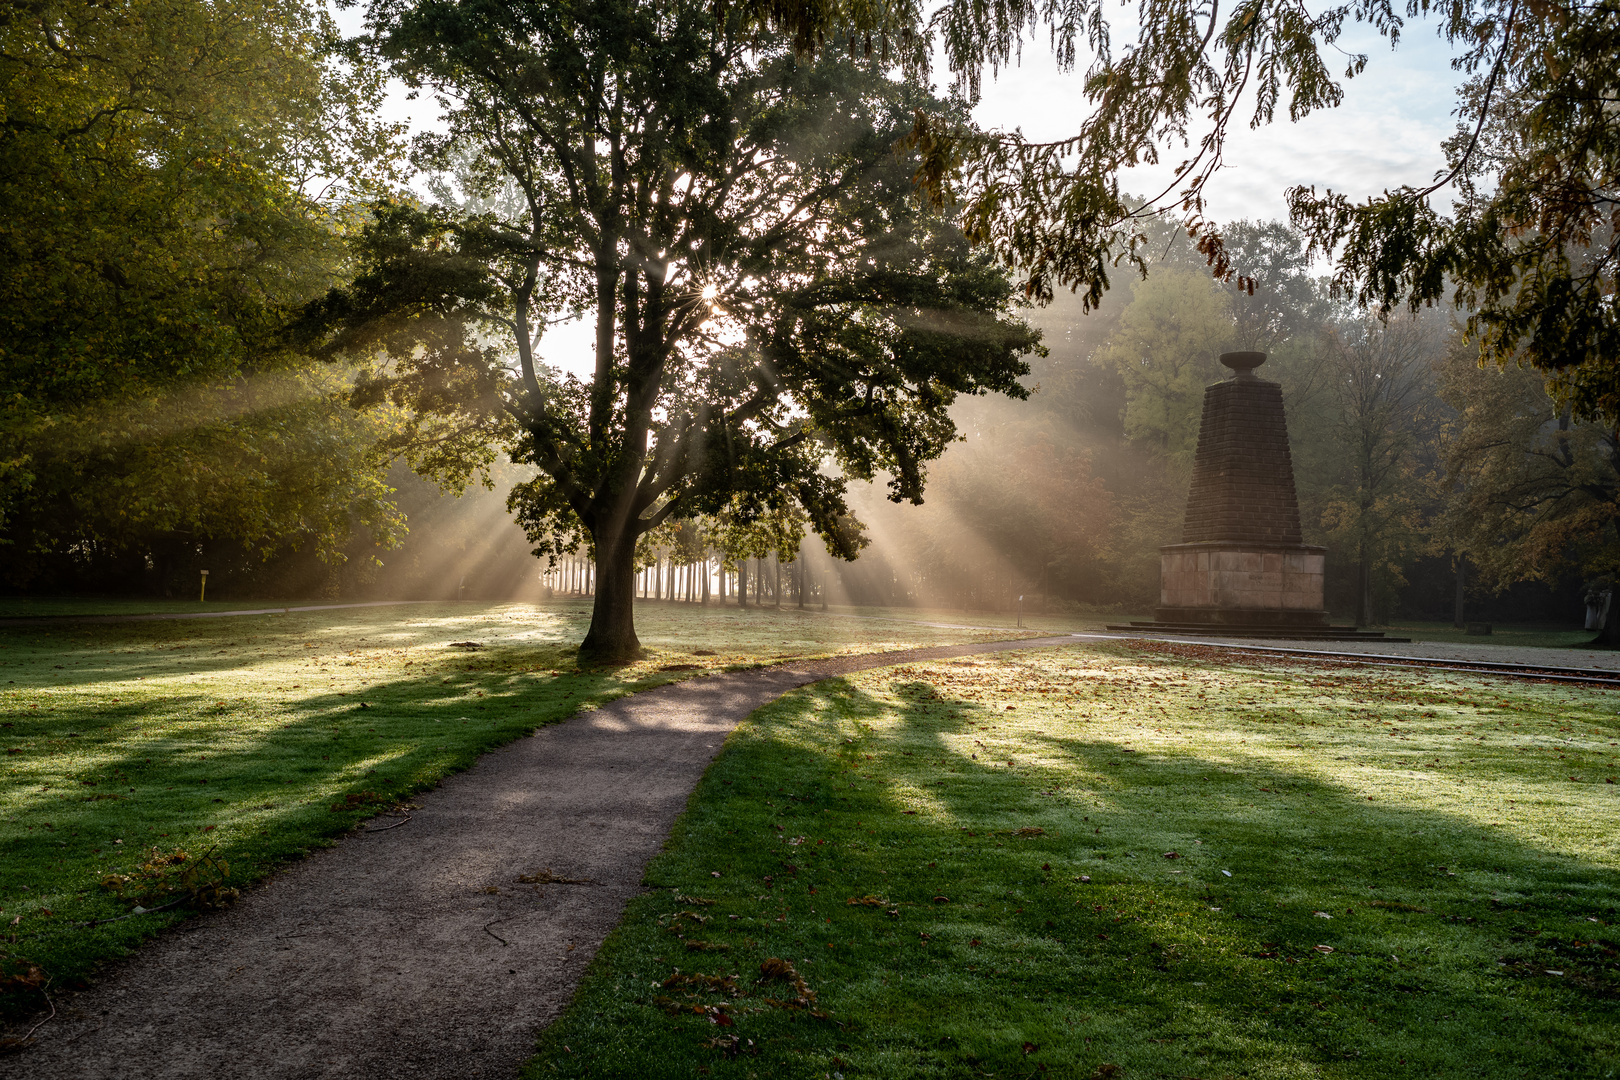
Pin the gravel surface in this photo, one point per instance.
(418, 951)
(1491, 654)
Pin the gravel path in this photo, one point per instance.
(1608, 659)
(416, 951)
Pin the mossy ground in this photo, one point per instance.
(1044, 863)
(258, 738)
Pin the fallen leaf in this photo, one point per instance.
(776, 968)
(1172, 854)
(1324, 948)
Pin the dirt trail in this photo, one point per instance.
(389, 955)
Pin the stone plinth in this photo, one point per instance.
(1241, 559)
(1217, 582)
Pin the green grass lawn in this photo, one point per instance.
(1528, 635)
(1542, 637)
(1043, 864)
(1043, 622)
(254, 739)
(57, 607)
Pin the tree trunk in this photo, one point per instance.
(1462, 574)
(803, 580)
(612, 636)
(1363, 591)
(776, 597)
(742, 582)
(1607, 638)
(705, 581)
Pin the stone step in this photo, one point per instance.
(1285, 633)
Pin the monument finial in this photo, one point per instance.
(1243, 363)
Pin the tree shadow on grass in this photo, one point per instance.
(96, 786)
(80, 657)
(949, 938)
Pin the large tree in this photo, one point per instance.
(774, 311)
(1383, 423)
(1535, 493)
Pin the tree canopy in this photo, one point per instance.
(1529, 247)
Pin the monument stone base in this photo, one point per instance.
(1224, 583)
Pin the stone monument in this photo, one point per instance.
(1242, 567)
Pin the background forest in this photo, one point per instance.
(1414, 465)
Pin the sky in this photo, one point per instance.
(1386, 133)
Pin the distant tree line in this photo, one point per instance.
(177, 180)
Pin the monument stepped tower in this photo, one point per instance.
(1242, 568)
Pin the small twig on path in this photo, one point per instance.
(15, 1044)
(546, 877)
(135, 914)
(493, 934)
(191, 894)
(395, 825)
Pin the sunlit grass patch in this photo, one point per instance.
(1072, 858)
(258, 738)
